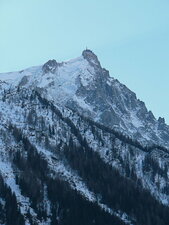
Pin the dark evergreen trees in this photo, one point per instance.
(117, 192)
(9, 212)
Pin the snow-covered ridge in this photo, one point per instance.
(84, 86)
(49, 118)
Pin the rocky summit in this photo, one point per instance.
(77, 147)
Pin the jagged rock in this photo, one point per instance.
(84, 86)
(24, 81)
(74, 141)
(91, 58)
(50, 66)
(161, 120)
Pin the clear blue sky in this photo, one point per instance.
(130, 37)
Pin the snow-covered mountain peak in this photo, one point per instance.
(82, 85)
(84, 65)
(67, 128)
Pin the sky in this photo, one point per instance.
(130, 38)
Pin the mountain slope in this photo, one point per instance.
(72, 136)
(84, 86)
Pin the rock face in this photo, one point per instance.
(84, 86)
(78, 147)
(91, 58)
(50, 66)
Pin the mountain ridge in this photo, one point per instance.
(84, 85)
(70, 152)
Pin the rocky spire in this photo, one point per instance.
(91, 58)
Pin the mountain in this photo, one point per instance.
(78, 147)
